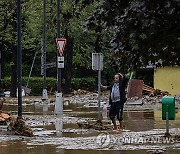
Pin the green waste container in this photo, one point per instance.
(168, 104)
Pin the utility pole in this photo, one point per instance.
(58, 101)
(19, 59)
(43, 60)
(58, 36)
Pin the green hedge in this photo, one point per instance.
(36, 84)
(84, 83)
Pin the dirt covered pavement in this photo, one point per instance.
(144, 131)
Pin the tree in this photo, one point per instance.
(80, 42)
(8, 38)
(74, 14)
(145, 31)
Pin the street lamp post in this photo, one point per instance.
(19, 59)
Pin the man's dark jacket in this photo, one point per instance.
(122, 86)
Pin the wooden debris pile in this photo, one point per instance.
(19, 127)
(4, 118)
(154, 92)
(147, 88)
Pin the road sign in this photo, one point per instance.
(97, 64)
(50, 65)
(60, 62)
(61, 42)
(97, 61)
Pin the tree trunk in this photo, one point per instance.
(2, 61)
(0, 66)
(68, 65)
(14, 74)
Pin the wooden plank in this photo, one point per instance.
(148, 88)
(4, 115)
(135, 88)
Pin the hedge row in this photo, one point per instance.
(36, 84)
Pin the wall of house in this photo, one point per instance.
(167, 79)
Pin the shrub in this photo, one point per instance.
(84, 83)
(36, 84)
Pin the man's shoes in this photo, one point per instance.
(122, 126)
(115, 128)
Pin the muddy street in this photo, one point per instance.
(143, 133)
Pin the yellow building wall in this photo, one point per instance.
(167, 79)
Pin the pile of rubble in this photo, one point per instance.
(4, 117)
(153, 92)
(149, 96)
(151, 100)
(19, 127)
(98, 125)
(91, 98)
(80, 92)
(145, 100)
(16, 126)
(84, 98)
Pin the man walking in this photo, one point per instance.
(117, 99)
